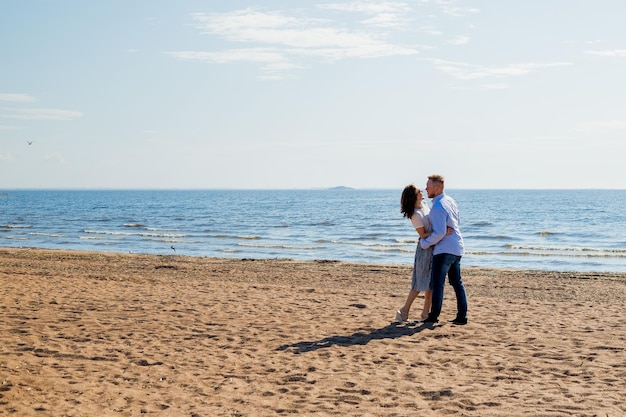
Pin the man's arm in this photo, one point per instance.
(438, 222)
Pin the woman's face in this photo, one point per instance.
(419, 196)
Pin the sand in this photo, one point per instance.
(95, 334)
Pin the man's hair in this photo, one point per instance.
(436, 178)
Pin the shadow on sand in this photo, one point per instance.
(391, 331)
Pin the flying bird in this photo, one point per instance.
(30, 142)
(173, 248)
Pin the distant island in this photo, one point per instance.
(341, 187)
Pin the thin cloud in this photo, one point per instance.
(273, 62)
(458, 11)
(368, 7)
(280, 42)
(610, 53)
(235, 55)
(499, 86)
(277, 29)
(604, 125)
(459, 40)
(384, 14)
(430, 30)
(54, 158)
(386, 20)
(491, 86)
(39, 114)
(8, 127)
(465, 71)
(18, 98)
(450, 8)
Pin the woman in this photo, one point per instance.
(413, 207)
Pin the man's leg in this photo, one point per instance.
(441, 263)
(454, 277)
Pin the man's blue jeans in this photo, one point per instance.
(446, 264)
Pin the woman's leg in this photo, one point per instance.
(404, 310)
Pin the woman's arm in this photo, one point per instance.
(424, 234)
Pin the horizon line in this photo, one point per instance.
(333, 188)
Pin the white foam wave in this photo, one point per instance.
(16, 226)
(291, 247)
(407, 241)
(393, 250)
(45, 234)
(369, 244)
(550, 254)
(243, 237)
(565, 248)
(140, 234)
(547, 233)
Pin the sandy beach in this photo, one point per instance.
(96, 334)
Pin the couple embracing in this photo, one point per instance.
(438, 252)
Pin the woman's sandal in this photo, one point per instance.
(400, 318)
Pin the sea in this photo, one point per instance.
(549, 230)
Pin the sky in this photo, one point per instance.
(251, 94)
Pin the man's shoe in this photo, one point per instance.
(460, 321)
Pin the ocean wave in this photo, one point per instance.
(367, 244)
(487, 237)
(547, 233)
(243, 237)
(379, 226)
(138, 225)
(161, 229)
(16, 226)
(102, 238)
(165, 240)
(289, 247)
(45, 234)
(393, 250)
(548, 255)
(407, 241)
(565, 248)
(375, 235)
(482, 223)
(140, 234)
(322, 223)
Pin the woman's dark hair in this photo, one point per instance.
(408, 200)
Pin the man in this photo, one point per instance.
(447, 252)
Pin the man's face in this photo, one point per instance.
(431, 189)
